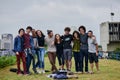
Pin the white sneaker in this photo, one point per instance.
(39, 71)
(43, 71)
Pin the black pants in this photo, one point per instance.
(83, 54)
(60, 58)
(77, 61)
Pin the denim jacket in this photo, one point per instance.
(18, 44)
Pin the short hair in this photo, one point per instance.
(90, 31)
(67, 29)
(82, 27)
(29, 27)
(49, 31)
(21, 29)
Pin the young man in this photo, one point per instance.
(93, 51)
(18, 48)
(51, 49)
(28, 49)
(67, 48)
(83, 49)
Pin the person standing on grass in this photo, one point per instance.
(29, 49)
(59, 51)
(67, 48)
(51, 49)
(18, 48)
(41, 51)
(34, 50)
(76, 50)
(83, 49)
(93, 50)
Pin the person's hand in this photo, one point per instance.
(52, 43)
(96, 53)
(94, 38)
(17, 53)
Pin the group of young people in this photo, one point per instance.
(81, 44)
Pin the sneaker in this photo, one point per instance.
(91, 72)
(87, 72)
(43, 71)
(19, 73)
(68, 70)
(39, 71)
(35, 71)
(28, 73)
(80, 72)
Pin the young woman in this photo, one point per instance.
(76, 50)
(59, 51)
(18, 48)
(41, 51)
(51, 49)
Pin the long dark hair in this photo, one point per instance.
(78, 35)
(41, 33)
(56, 41)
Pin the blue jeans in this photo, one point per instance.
(29, 57)
(40, 57)
(77, 61)
(83, 54)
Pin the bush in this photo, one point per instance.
(7, 61)
(117, 50)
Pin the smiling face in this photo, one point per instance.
(82, 31)
(57, 37)
(39, 33)
(90, 34)
(28, 31)
(75, 35)
(67, 32)
(21, 32)
(51, 34)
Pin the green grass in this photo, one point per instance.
(109, 70)
(7, 61)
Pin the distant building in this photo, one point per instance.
(7, 41)
(110, 35)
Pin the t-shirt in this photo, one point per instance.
(35, 42)
(59, 48)
(92, 45)
(49, 41)
(84, 41)
(41, 41)
(67, 41)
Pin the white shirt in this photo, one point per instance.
(92, 45)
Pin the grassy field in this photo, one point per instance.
(109, 70)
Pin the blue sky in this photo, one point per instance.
(56, 14)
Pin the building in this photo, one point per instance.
(7, 41)
(110, 35)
